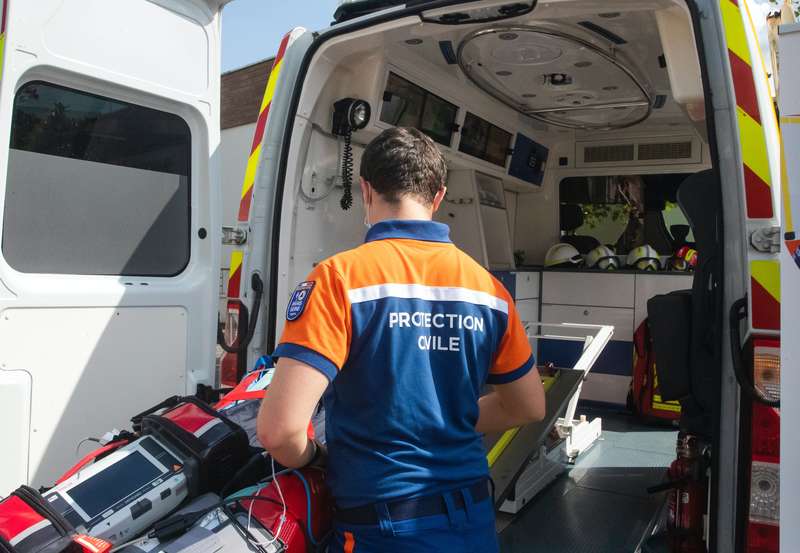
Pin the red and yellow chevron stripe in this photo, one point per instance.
(755, 161)
(229, 362)
(765, 286)
(258, 136)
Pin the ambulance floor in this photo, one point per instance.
(601, 504)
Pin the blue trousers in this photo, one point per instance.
(461, 530)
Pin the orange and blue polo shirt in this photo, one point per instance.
(408, 328)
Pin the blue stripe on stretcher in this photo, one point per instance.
(617, 357)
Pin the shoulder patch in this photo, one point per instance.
(297, 303)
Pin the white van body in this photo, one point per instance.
(686, 93)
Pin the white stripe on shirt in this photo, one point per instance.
(430, 293)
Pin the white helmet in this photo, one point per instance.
(602, 258)
(644, 258)
(562, 255)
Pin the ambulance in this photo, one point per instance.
(643, 128)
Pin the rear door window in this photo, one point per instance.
(95, 186)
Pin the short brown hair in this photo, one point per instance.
(403, 162)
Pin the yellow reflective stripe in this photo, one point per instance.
(734, 30)
(501, 445)
(754, 146)
(236, 261)
(250, 171)
(2, 49)
(768, 274)
(673, 406)
(790, 120)
(271, 82)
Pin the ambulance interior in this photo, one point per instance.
(580, 122)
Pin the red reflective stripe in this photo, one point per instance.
(744, 86)
(3, 17)
(16, 516)
(766, 309)
(244, 205)
(261, 123)
(234, 283)
(758, 195)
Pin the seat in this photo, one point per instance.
(686, 324)
(572, 220)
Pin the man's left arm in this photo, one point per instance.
(288, 405)
(312, 350)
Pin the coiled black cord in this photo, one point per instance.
(347, 173)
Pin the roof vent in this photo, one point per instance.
(665, 150)
(608, 154)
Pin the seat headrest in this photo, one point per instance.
(571, 217)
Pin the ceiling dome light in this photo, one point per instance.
(609, 15)
(414, 41)
(486, 57)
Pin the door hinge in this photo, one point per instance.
(233, 236)
(766, 239)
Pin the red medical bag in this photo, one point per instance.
(29, 525)
(305, 494)
(644, 397)
(212, 446)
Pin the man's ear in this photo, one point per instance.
(365, 190)
(437, 199)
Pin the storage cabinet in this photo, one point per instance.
(588, 288)
(618, 299)
(527, 285)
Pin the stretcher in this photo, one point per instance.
(518, 462)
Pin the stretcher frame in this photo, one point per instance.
(518, 462)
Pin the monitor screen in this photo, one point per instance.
(481, 139)
(497, 145)
(117, 481)
(408, 105)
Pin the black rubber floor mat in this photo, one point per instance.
(567, 518)
(632, 481)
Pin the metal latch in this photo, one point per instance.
(766, 239)
(233, 236)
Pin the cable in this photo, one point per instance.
(308, 505)
(347, 172)
(277, 533)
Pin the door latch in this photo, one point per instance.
(766, 239)
(233, 236)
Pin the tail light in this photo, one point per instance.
(764, 515)
(232, 323)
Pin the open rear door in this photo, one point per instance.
(109, 129)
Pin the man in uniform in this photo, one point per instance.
(400, 335)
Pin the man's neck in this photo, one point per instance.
(405, 209)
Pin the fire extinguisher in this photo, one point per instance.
(686, 502)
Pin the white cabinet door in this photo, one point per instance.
(527, 285)
(586, 288)
(620, 318)
(528, 310)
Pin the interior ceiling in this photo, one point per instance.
(514, 61)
